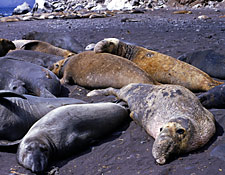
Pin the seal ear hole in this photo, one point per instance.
(180, 131)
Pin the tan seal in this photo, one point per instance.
(171, 114)
(103, 70)
(41, 46)
(164, 69)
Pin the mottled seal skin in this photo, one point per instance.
(102, 70)
(214, 98)
(208, 61)
(67, 130)
(38, 80)
(19, 112)
(42, 46)
(5, 46)
(171, 114)
(9, 82)
(39, 58)
(162, 68)
(62, 40)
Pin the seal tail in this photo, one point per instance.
(9, 143)
(108, 91)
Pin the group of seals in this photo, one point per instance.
(92, 70)
(162, 68)
(56, 136)
(19, 112)
(171, 114)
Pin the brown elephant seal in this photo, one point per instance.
(42, 46)
(171, 114)
(67, 130)
(103, 70)
(6, 46)
(164, 69)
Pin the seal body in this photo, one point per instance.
(38, 80)
(9, 82)
(6, 46)
(19, 112)
(93, 70)
(42, 46)
(171, 114)
(162, 68)
(62, 40)
(39, 58)
(66, 130)
(208, 61)
(214, 98)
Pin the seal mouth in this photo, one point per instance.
(161, 160)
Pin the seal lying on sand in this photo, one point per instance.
(171, 114)
(61, 40)
(162, 68)
(103, 70)
(19, 112)
(38, 80)
(9, 82)
(66, 130)
(5, 46)
(208, 61)
(42, 46)
(214, 98)
(39, 58)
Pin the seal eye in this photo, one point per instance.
(56, 65)
(160, 129)
(180, 131)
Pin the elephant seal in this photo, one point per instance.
(9, 82)
(66, 130)
(103, 70)
(171, 114)
(62, 40)
(42, 46)
(19, 112)
(38, 80)
(39, 58)
(208, 61)
(5, 46)
(214, 98)
(162, 68)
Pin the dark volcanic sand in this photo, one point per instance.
(128, 151)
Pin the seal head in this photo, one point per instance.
(174, 137)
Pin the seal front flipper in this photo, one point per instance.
(5, 93)
(9, 143)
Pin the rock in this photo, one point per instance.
(42, 6)
(22, 9)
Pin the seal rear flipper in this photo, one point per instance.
(6, 93)
(10, 143)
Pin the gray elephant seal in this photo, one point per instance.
(35, 57)
(6, 46)
(19, 112)
(162, 68)
(38, 80)
(171, 114)
(66, 130)
(102, 70)
(62, 40)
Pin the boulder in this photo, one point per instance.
(22, 9)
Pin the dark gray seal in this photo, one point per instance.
(9, 82)
(38, 80)
(171, 114)
(62, 40)
(19, 112)
(66, 130)
(208, 61)
(39, 58)
(214, 98)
